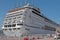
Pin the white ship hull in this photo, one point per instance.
(27, 20)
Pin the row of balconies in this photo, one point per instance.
(13, 21)
(14, 14)
(10, 29)
(14, 18)
(13, 25)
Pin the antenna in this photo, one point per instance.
(33, 2)
(37, 3)
(26, 1)
(29, 2)
(17, 4)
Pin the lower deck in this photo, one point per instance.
(30, 37)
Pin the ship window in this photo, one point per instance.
(10, 19)
(13, 25)
(18, 21)
(49, 28)
(36, 10)
(18, 28)
(14, 18)
(5, 29)
(14, 21)
(17, 14)
(21, 14)
(27, 29)
(19, 17)
(14, 28)
(10, 29)
(35, 13)
(9, 25)
(19, 24)
(5, 25)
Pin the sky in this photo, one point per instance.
(49, 8)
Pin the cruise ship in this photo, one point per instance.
(27, 20)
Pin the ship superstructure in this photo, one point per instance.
(27, 20)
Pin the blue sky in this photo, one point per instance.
(50, 8)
